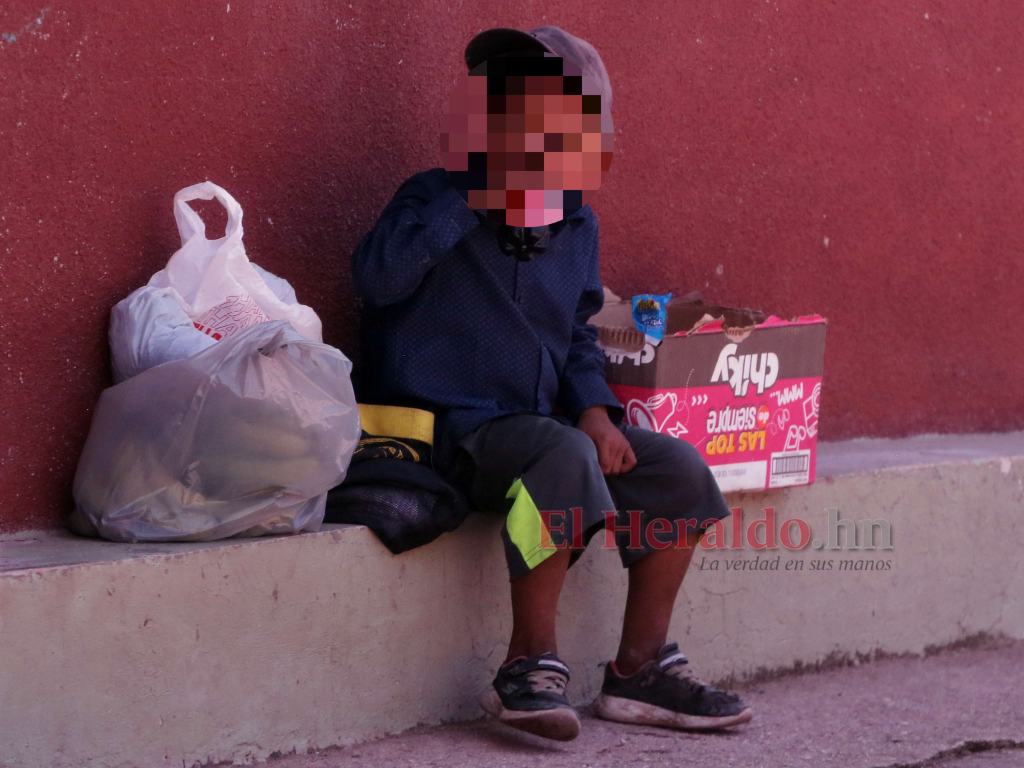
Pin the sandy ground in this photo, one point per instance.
(957, 709)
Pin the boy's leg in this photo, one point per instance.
(536, 470)
(654, 583)
(650, 682)
(534, 606)
(670, 494)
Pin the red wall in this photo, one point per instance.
(863, 160)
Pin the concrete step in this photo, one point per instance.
(181, 654)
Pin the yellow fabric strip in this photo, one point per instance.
(395, 421)
(525, 527)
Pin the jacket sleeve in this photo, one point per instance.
(417, 229)
(582, 384)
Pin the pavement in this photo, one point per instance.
(960, 708)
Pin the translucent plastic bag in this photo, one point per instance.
(208, 291)
(243, 438)
(151, 327)
(219, 289)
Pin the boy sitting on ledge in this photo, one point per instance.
(477, 284)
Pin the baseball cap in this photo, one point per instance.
(547, 39)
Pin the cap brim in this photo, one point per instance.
(494, 42)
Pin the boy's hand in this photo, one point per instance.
(613, 450)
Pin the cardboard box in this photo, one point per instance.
(747, 398)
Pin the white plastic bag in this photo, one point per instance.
(208, 291)
(229, 416)
(151, 327)
(243, 438)
(219, 289)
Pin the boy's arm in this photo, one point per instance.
(583, 389)
(582, 384)
(418, 227)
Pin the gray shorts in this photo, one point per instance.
(544, 476)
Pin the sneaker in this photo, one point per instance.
(529, 694)
(665, 692)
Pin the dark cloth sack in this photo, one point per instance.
(406, 504)
(390, 486)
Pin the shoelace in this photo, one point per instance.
(542, 680)
(677, 665)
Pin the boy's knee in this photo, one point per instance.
(572, 448)
(678, 456)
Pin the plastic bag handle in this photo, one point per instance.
(190, 224)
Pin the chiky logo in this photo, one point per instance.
(743, 370)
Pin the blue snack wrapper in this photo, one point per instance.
(649, 316)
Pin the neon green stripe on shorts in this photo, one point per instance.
(526, 529)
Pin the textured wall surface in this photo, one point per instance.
(861, 160)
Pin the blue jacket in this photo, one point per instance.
(452, 324)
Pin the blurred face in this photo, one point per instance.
(525, 140)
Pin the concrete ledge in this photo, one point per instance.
(128, 655)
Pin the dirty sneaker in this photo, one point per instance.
(529, 694)
(665, 692)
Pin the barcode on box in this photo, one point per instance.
(790, 468)
(788, 465)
